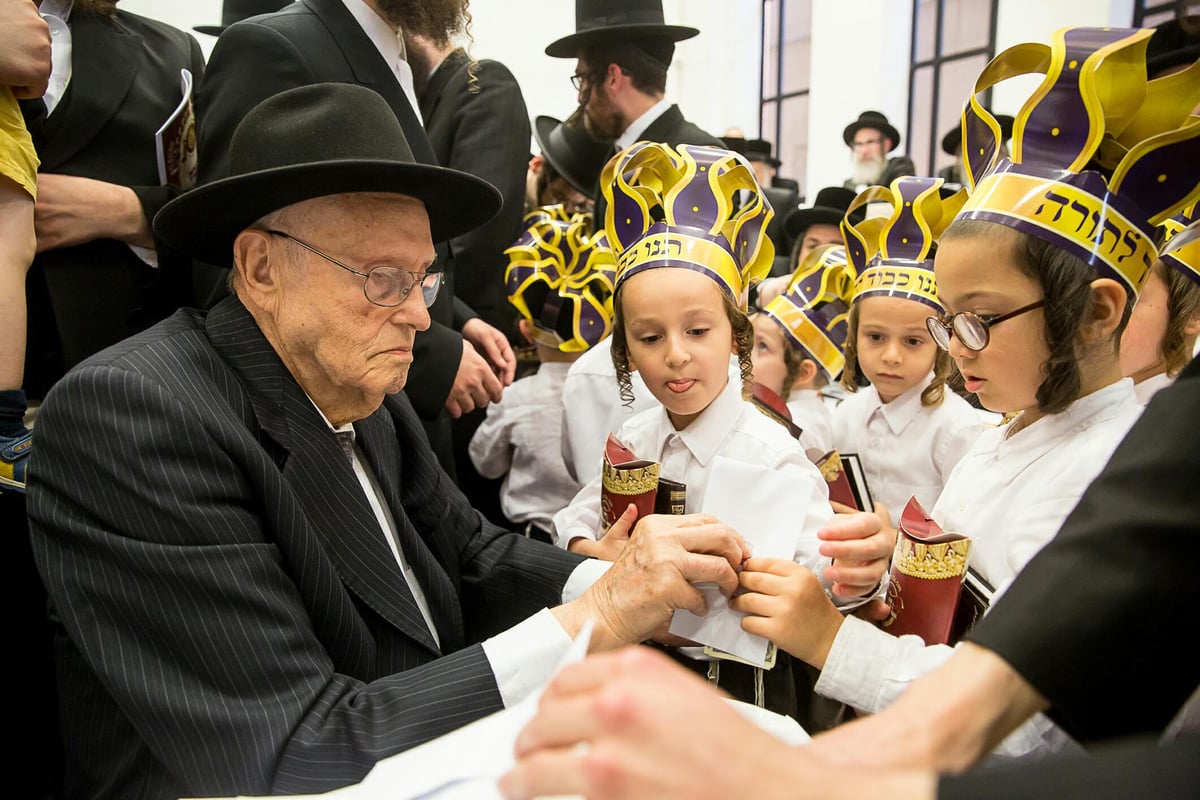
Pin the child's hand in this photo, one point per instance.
(609, 546)
(787, 604)
(861, 548)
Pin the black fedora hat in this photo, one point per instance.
(316, 141)
(752, 149)
(596, 20)
(237, 10)
(572, 152)
(953, 138)
(828, 209)
(872, 119)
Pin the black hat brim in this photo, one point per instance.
(204, 222)
(569, 46)
(211, 30)
(802, 219)
(543, 126)
(886, 128)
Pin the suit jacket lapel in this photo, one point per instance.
(314, 465)
(105, 59)
(371, 71)
(377, 438)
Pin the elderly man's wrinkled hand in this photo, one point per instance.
(653, 576)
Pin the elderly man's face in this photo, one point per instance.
(345, 351)
(869, 145)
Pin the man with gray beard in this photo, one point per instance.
(870, 138)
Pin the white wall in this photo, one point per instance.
(860, 53)
(714, 76)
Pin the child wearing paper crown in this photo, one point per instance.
(1161, 335)
(560, 280)
(798, 340)
(1036, 307)
(685, 258)
(907, 428)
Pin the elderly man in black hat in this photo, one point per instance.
(870, 138)
(622, 49)
(261, 580)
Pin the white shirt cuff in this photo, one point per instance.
(855, 665)
(525, 656)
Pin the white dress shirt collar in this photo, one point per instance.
(903, 408)
(390, 45)
(636, 128)
(1087, 410)
(703, 437)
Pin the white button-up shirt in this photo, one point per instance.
(906, 449)
(810, 411)
(521, 440)
(1010, 494)
(390, 44)
(729, 427)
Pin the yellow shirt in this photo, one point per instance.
(18, 159)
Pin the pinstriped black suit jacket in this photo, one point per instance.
(230, 618)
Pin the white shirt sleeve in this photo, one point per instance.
(491, 447)
(581, 517)
(525, 656)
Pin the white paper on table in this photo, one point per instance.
(767, 508)
(438, 768)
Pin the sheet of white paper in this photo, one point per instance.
(766, 508)
(438, 769)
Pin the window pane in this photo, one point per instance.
(797, 44)
(793, 140)
(767, 120)
(965, 25)
(957, 80)
(770, 62)
(919, 127)
(926, 22)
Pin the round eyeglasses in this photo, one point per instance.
(973, 331)
(384, 286)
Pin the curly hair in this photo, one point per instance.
(1183, 306)
(931, 395)
(1066, 283)
(743, 340)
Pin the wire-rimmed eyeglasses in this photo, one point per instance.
(973, 331)
(384, 285)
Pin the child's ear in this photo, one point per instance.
(1193, 326)
(808, 372)
(1108, 306)
(526, 329)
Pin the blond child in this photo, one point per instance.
(685, 259)
(1161, 335)
(560, 280)
(798, 341)
(1035, 315)
(908, 429)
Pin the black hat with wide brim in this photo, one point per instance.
(1175, 43)
(872, 119)
(953, 138)
(572, 152)
(828, 209)
(601, 20)
(315, 141)
(237, 10)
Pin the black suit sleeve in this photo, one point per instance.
(184, 616)
(490, 139)
(1093, 622)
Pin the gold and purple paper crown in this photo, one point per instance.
(1180, 248)
(1100, 155)
(893, 255)
(814, 309)
(561, 279)
(678, 207)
